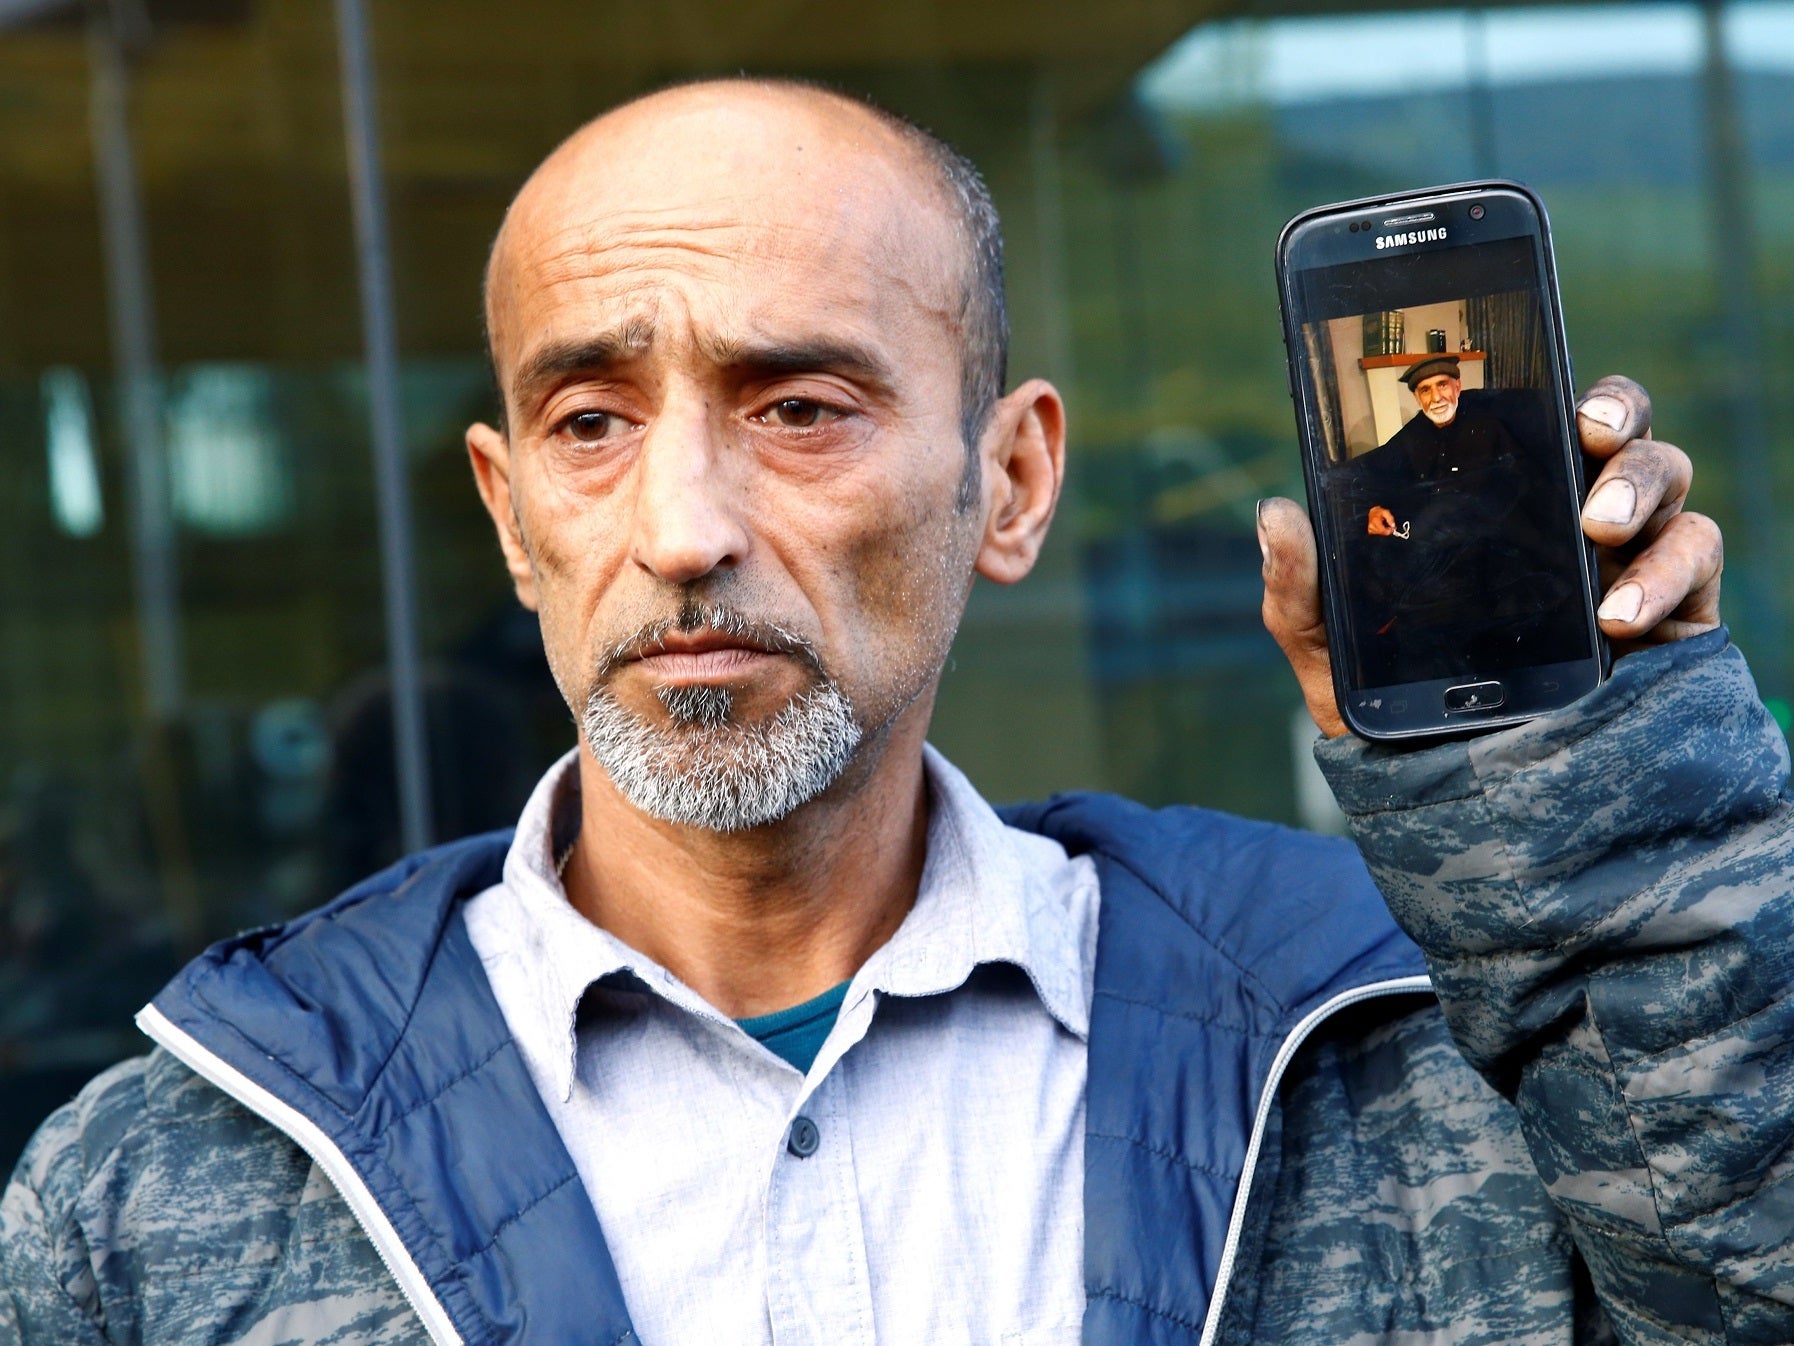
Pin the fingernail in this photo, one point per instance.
(1613, 503)
(1622, 604)
(1609, 411)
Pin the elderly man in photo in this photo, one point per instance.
(1449, 531)
(1438, 388)
(1437, 384)
(764, 1028)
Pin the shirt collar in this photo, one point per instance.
(564, 952)
(988, 894)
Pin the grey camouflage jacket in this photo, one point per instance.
(1604, 900)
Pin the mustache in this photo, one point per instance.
(697, 615)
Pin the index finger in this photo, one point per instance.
(1611, 415)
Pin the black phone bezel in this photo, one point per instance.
(1416, 710)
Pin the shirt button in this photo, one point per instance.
(803, 1138)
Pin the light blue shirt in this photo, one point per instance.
(923, 1183)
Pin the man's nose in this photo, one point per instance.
(688, 514)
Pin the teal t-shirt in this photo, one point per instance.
(797, 1034)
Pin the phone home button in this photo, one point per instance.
(1474, 696)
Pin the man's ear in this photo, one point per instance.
(1023, 449)
(490, 453)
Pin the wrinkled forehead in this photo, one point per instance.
(741, 197)
(1438, 383)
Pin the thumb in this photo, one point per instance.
(1292, 605)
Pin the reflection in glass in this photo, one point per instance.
(230, 470)
(75, 501)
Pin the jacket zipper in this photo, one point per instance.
(324, 1152)
(1297, 1035)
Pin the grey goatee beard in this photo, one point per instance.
(702, 769)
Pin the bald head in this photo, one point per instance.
(772, 136)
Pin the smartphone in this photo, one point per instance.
(1435, 409)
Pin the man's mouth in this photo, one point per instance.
(710, 644)
(682, 658)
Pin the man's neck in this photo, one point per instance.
(763, 919)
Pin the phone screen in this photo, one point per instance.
(1437, 436)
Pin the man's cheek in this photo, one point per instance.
(911, 582)
(570, 592)
(894, 561)
(568, 662)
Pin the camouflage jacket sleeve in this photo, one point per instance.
(154, 1210)
(48, 1293)
(1606, 900)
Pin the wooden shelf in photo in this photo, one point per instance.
(1415, 357)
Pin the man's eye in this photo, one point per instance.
(588, 427)
(800, 413)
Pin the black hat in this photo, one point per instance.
(1430, 367)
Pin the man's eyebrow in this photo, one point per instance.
(587, 355)
(765, 359)
(821, 355)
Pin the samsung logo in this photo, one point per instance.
(1412, 236)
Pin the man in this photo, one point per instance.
(1105, 1075)
(1438, 388)
(1448, 524)
(1437, 383)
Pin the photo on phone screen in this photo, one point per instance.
(1437, 451)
